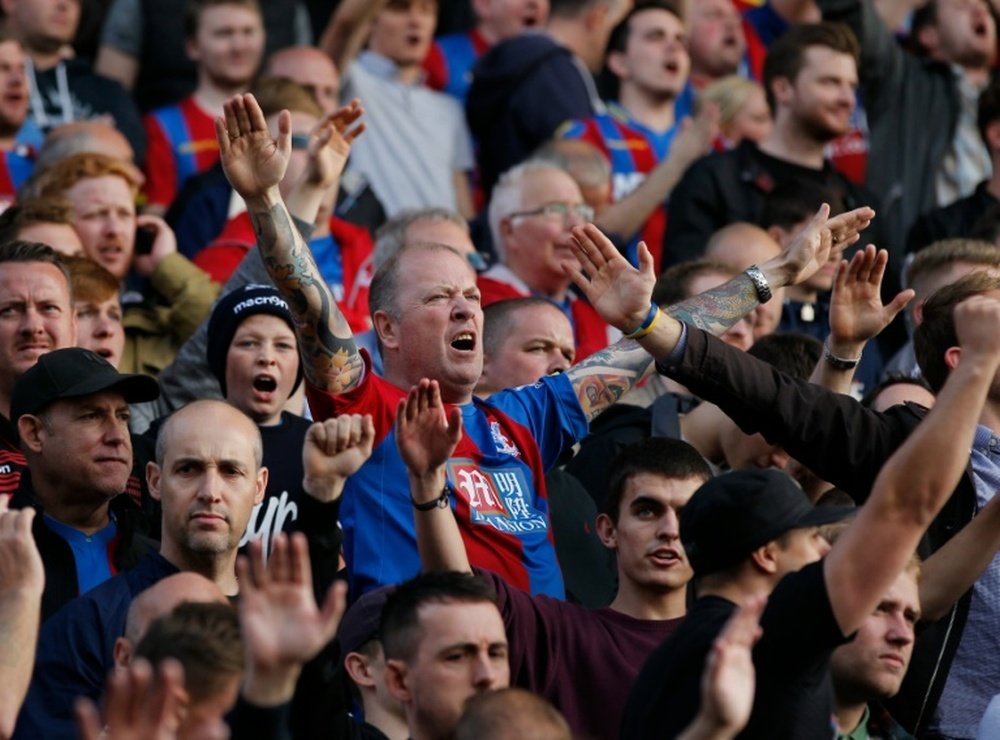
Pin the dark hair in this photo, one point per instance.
(31, 211)
(790, 352)
(572, 8)
(786, 57)
(891, 379)
(987, 226)
(194, 9)
(936, 333)
(618, 40)
(204, 638)
(21, 251)
(400, 630)
(674, 283)
(498, 317)
(791, 203)
(670, 458)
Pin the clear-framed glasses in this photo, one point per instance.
(560, 211)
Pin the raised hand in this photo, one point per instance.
(330, 144)
(334, 450)
(283, 628)
(810, 248)
(136, 706)
(21, 569)
(620, 293)
(728, 681)
(425, 433)
(253, 161)
(697, 135)
(976, 322)
(856, 310)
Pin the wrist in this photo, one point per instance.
(269, 687)
(323, 489)
(264, 201)
(840, 361)
(776, 272)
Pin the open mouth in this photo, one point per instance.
(666, 557)
(672, 67)
(103, 352)
(265, 384)
(464, 342)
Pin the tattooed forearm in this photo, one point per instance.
(719, 308)
(330, 356)
(606, 376)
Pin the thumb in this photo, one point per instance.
(646, 265)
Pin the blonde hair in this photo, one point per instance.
(730, 93)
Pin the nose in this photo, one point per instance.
(557, 363)
(103, 327)
(485, 672)
(900, 631)
(210, 487)
(463, 308)
(670, 525)
(31, 322)
(265, 355)
(116, 431)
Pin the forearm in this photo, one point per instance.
(922, 474)
(604, 377)
(270, 687)
(952, 570)
(439, 540)
(713, 311)
(331, 360)
(20, 612)
(703, 728)
(627, 216)
(345, 33)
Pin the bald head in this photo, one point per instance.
(511, 714)
(213, 415)
(741, 245)
(310, 68)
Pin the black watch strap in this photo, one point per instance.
(441, 502)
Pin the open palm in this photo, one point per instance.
(254, 161)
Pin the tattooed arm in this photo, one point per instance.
(622, 295)
(254, 164)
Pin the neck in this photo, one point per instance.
(389, 723)
(44, 60)
(656, 113)
(639, 603)
(542, 283)
(400, 377)
(848, 713)
(489, 34)
(5, 402)
(790, 143)
(801, 293)
(220, 569)
(7, 141)
(87, 516)
(738, 588)
(569, 34)
(978, 76)
(210, 95)
(990, 416)
(993, 186)
(699, 429)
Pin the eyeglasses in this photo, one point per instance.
(477, 260)
(558, 211)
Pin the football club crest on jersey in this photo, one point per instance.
(504, 446)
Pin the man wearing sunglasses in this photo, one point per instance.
(533, 207)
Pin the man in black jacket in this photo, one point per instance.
(71, 411)
(810, 75)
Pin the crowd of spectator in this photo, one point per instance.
(483, 369)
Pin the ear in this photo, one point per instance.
(616, 64)
(929, 38)
(952, 356)
(993, 136)
(122, 652)
(30, 428)
(778, 234)
(356, 666)
(782, 89)
(262, 476)
(607, 531)
(387, 330)
(765, 557)
(153, 480)
(918, 312)
(594, 16)
(191, 50)
(395, 681)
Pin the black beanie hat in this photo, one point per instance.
(232, 310)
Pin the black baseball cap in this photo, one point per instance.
(74, 372)
(362, 620)
(733, 514)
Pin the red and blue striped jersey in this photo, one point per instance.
(15, 167)
(633, 150)
(497, 476)
(449, 62)
(181, 144)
